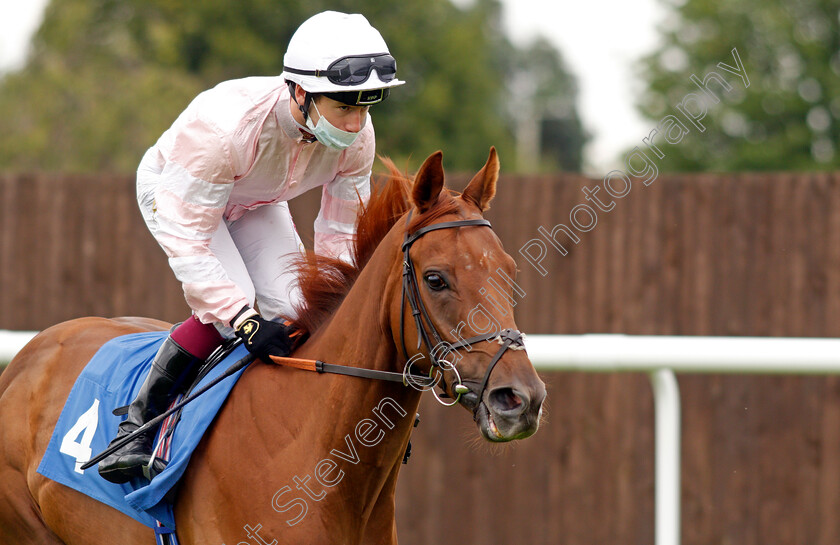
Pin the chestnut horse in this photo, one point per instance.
(294, 456)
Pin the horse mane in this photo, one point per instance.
(325, 281)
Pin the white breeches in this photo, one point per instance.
(257, 252)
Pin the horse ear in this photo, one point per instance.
(482, 188)
(428, 183)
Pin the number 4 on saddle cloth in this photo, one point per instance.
(111, 380)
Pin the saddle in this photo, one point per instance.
(163, 438)
(88, 421)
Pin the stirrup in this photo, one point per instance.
(154, 468)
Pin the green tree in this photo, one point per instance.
(788, 117)
(88, 100)
(548, 132)
(106, 77)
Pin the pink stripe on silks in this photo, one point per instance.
(204, 219)
(182, 247)
(196, 338)
(338, 210)
(200, 149)
(215, 301)
(334, 245)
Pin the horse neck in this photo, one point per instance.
(359, 335)
(359, 332)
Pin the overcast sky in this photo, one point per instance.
(599, 39)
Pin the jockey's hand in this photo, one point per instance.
(262, 337)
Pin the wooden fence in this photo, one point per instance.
(747, 254)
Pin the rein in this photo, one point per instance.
(508, 338)
(322, 367)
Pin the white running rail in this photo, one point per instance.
(11, 342)
(660, 357)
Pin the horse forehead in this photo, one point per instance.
(478, 246)
(484, 258)
(469, 244)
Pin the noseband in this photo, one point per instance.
(508, 338)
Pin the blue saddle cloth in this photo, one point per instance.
(86, 425)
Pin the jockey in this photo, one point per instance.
(214, 188)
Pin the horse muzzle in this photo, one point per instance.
(507, 413)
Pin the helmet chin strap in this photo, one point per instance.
(307, 101)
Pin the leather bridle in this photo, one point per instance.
(508, 338)
(426, 333)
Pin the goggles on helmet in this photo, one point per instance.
(354, 69)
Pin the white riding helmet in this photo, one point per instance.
(334, 52)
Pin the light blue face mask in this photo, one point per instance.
(328, 134)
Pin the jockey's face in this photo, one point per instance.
(340, 115)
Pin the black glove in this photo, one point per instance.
(262, 337)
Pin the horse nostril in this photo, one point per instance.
(506, 400)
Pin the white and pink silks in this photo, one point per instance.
(214, 188)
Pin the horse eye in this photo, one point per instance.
(435, 281)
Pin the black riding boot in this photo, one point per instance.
(173, 367)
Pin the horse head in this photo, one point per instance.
(457, 302)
